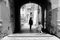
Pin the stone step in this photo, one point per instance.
(30, 36)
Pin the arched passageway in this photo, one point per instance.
(44, 5)
(30, 10)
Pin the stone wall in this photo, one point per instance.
(52, 14)
(58, 22)
(53, 21)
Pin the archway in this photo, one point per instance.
(43, 3)
(25, 11)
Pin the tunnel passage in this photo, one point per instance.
(15, 11)
(45, 4)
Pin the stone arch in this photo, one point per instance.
(43, 3)
(37, 8)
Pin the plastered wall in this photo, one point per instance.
(5, 17)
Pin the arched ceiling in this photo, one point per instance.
(30, 7)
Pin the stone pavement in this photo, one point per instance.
(30, 36)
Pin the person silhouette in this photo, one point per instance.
(30, 23)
